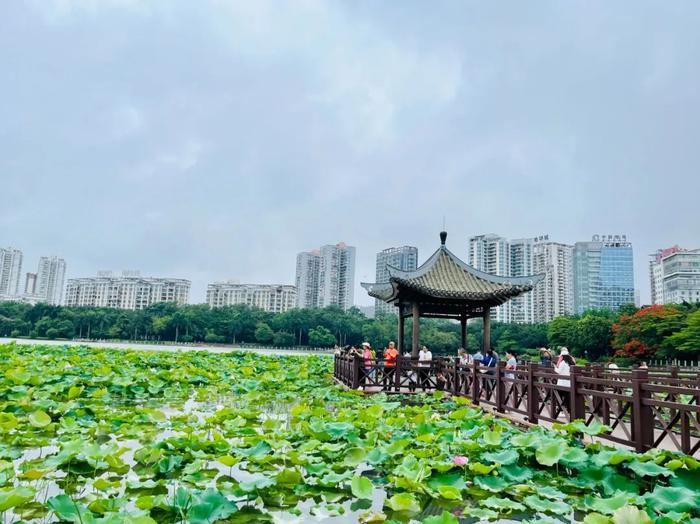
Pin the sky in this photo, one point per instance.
(215, 140)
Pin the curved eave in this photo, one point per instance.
(385, 291)
(494, 297)
(397, 273)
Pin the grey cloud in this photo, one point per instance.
(217, 139)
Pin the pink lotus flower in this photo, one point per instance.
(460, 460)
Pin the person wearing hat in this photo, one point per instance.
(565, 351)
(545, 358)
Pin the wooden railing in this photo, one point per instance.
(644, 408)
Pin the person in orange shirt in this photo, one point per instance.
(390, 354)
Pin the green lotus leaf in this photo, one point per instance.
(492, 438)
(505, 457)
(665, 498)
(406, 502)
(606, 505)
(444, 518)
(454, 480)
(39, 419)
(480, 469)
(354, 456)
(8, 421)
(597, 518)
(361, 487)
(209, 506)
(547, 506)
(9, 498)
(685, 478)
(256, 485)
(70, 510)
(491, 483)
(550, 452)
(648, 469)
(630, 515)
(516, 474)
(504, 505)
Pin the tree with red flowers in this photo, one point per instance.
(646, 333)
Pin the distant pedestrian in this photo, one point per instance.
(562, 352)
(464, 358)
(545, 358)
(390, 355)
(440, 381)
(368, 361)
(643, 365)
(490, 359)
(614, 369)
(511, 363)
(425, 358)
(563, 368)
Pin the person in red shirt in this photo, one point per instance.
(390, 354)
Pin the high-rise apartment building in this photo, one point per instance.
(268, 297)
(30, 284)
(491, 254)
(10, 271)
(307, 275)
(404, 258)
(554, 295)
(603, 273)
(326, 277)
(50, 280)
(508, 258)
(129, 291)
(675, 276)
(522, 308)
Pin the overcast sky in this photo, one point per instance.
(211, 140)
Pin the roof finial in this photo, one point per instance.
(443, 237)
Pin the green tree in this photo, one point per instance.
(321, 337)
(687, 340)
(264, 333)
(593, 334)
(282, 338)
(562, 332)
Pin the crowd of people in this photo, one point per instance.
(383, 371)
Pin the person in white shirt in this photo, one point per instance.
(425, 357)
(563, 368)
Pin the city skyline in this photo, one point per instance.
(222, 143)
(364, 300)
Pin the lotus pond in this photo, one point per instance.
(110, 436)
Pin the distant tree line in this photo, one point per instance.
(631, 333)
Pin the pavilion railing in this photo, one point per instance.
(644, 408)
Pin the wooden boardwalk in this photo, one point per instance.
(644, 409)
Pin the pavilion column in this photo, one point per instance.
(399, 336)
(416, 330)
(463, 322)
(487, 330)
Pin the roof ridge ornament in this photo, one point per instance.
(443, 237)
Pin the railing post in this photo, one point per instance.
(475, 383)
(642, 416)
(397, 372)
(455, 379)
(532, 395)
(355, 372)
(577, 404)
(500, 387)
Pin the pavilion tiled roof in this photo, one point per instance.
(445, 276)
